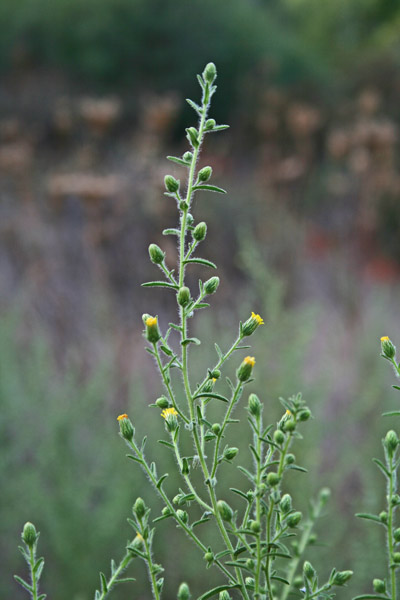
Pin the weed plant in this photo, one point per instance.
(261, 544)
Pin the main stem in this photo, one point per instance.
(391, 489)
(33, 574)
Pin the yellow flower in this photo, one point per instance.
(288, 413)
(139, 537)
(385, 338)
(260, 320)
(250, 360)
(169, 412)
(151, 321)
(124, 416)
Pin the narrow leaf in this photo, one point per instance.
(192, 340)
(104, 587)
(165, 443)
(218, 350)
(125, 580)
(281, 579)
(382, 467)
(159, 284)
(210, 395)
(369, 517)
(178, 161)
(216, 590)
(24, 584)
(195, 106)
(239, 493)
(209, 188)
(220, 127)
(201, 261)
(392, 413)
(159, 482)
(176, 327)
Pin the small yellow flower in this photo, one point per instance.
(260, 320)
(288, 413)
(139, 537)
(169, 412)
(385, 338)
(250, 360)
(151, 321)
(124, 416)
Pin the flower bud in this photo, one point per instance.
(183, 296)
(204, 174)
(294, 519)
(215, 374)
(251, 324)
(324, 495)
(170, 416)
(209, 556)
(210, 124)
(224, 510)
(224, 595)
(183, 592)
(341, 577)
(396, 557)
(200, 231)
(193, 136)
(125, 427)
(153, 334)
(211, 285)
(273, 479)
(136, 544)
(304, 414)
(308, 570)
(166, 511)
(185, 466)
(156, 254)
(171, 184)
(244, 371)
(250, 564)
(396, 534)
(139, 508)
(379, 586)
(216, 428)
(230, 453)
(249, 582)
(391, 441)
(387, 347)
(255, 526)
(189, 219)
(279, 436)
(286, 503)
(182, 515)
(289, 425)
(290, 458)
(187, 156)
(178, 499)
(210, 73)
(255, 406)
(162, 402)
(383, 516)
(29, 534)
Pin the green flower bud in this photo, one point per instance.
(396, 557)
(383, 516)
(216, 428)
(210, 124)
(193, 136)
(156, 254)
(183, 205)
(145, 316)
(210, 73)
(178, 499)
(171, 421)
(294, 519)
(208, 386)
(251, 324)
(230, 453)
(189, 219)
(324, 495)
(224, 595)
(224, 510)
(396, 534)
(304, 415)
(379, 586)
(216, 374)
(185, 466)
(183, 296)
(279, 436)
(286, 503)
(273, 479)
(395, 501)
(211, 285)
(183, 592)
(136, 544)
(187, 156)
(29, 534)
(153, 334)
(162, 402)
(125, 427)
(255, 406)
(204, 174)
(391, 441)
(341, 577)
(244, 371)
(171, 184)
(308, 570)
(250, 563)
(290, 458)
(200, 232)
(166, 511)
(209, 556)
(249, 582)
(160, 584)
(289, 425)
(182, 515)
(139, 508)
(387, 347)
(255, 526)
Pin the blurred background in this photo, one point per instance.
(91, 101)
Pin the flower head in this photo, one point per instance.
(153, 334)
(125, 427)
(170, 416)
(151, 321)
(387, 347)
(120, 417)
(251, 324)
(244, 371)
(250, 360)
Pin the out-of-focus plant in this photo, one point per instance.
(258, 559)
(387, 587)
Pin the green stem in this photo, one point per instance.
(151, 570)
(187, 478)
(168, 385)
(258, 506)
(392, 566)
(32, 557)
(232, 403)
(121, 567)
(267, 565)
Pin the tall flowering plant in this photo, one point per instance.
(260, 555)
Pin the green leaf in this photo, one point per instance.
(176, 327)
(247, 473)
(370, 597)
(165, 443)
(392, 413)
(202, 305)
(209, 188)
(191, 341)
(178, 161)
(125, 580)
(135, 458)
(159, 482)
(104, 587)
(369, 517)
(396, 387)
(39, 562)
(281, 579)
(219, 128)
(160, 284)
(200, 261)
(217, 590)
(200, 521)
(218, 350)
(24, 584)
(42, 596)
(210, 395)
(195, 106)
(382, 467)
(297, 468)
(166, 350)
(239, 493)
